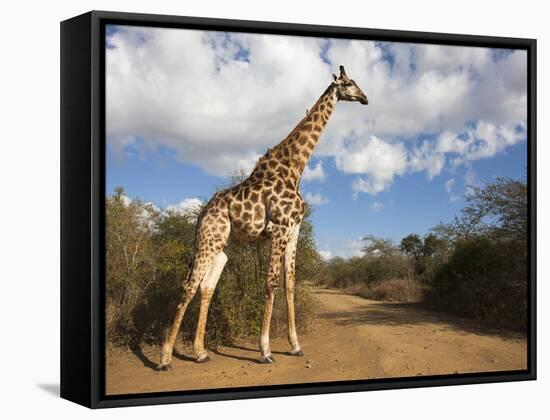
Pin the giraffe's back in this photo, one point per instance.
(254, 204)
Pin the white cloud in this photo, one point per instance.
(487, 139)
(325, 254)
(449, 188)
(125, 200)
(425, 158)
(353, 248)
(314, 174)
(152, 206)
(316, 199)
(379, 160)
(148, 209)
(196, 92)
(471, 180)
(376, 207)
(449, 185)
(186, 90)
(186, 206)
(345, 248)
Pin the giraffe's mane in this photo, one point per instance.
(298, 127)
(304, 119)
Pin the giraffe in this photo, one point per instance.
(268, 203)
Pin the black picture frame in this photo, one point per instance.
(83, 204)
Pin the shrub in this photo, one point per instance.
(484, 279)
(382, 261)
(397, 290)
(148, 255)
(237, 306)
(392, 290)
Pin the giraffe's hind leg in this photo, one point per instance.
(207, 287)
(200, 267)
(279, 241)
(212, 233)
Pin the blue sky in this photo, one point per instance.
(439, 119)
(413, 204)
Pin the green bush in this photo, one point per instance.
(148, 255)
(474, 266)
(382, 261)
(484, 279)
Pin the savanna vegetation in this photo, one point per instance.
(148, 255)
(475, 266)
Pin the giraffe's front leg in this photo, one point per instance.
(279, 240)
(264, 339)
(290, 276)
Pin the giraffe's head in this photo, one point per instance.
(347, 89)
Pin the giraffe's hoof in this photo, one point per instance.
(203, 359)
(164, 368)
(298, 353)
(264, 360)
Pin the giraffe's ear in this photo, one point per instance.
(334, 77)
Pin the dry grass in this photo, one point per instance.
(392, 290)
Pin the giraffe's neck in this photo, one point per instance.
(296, 149)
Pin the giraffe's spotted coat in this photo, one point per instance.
(268, 203)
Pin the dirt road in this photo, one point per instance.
(355, 338)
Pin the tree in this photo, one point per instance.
(476, 265)
(384, 260)
(484, 279)
(412, 245)
(149, 254)
(130, 259)
(378, 247)
(485, 275)
(503, 206)
(498, 209)
(431, 245)
(421, 253)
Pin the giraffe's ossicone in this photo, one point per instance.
(267, 203)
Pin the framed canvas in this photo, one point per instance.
(256, 209)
